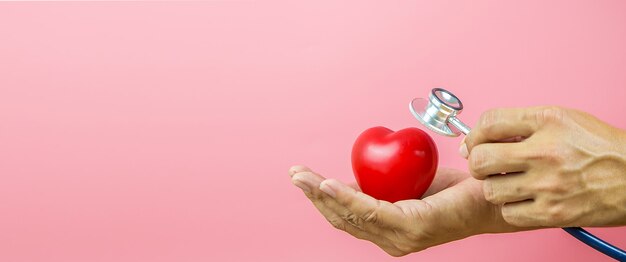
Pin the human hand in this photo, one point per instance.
(566, 167)
(453, 208)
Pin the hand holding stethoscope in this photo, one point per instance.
(454, 207)
(568, 168)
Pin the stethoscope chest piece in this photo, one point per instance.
(438, 113)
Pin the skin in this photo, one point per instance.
(530, 168)
(453, 208)
(564, 168)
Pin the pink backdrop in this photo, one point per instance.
(164, 131)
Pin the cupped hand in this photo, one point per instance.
(562, 168)
(454, 208)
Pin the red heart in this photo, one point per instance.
(394, 166)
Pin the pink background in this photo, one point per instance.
(164, 131)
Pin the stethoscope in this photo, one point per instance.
(439, 114)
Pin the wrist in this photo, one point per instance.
(610, 205)
(619, 201)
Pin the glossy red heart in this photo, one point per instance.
(394, 166)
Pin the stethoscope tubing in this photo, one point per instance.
(596, 243)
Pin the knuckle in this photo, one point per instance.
(512, 217)
(337, 223)
(488, 120)
(478, 161)
(558, 188)
(551, 153)
(353, 220)
(551, 187)
(372, 215)
(488, 191)
(556, 215)
(509, 217)
(550, 114)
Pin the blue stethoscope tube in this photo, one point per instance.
(596, 243)
(439, 113)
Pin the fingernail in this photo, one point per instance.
(293, 170)
(328, 189)
(297, 169)
(463, 151)
(301, 185)
(463, 140)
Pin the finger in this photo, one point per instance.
(297, 169)
(497, 158)
(326, 205)
(329, 208)
(333, 211)
(355, 186)
(445, 177)
(309, 182)
(521, 214)
(366, 209)
(499, 124)
(358, 233)
(507, 188)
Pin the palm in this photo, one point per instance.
(450, 205)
